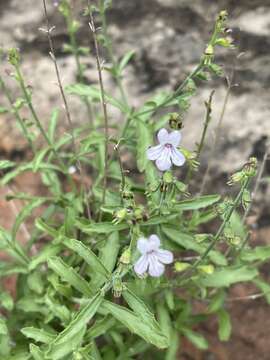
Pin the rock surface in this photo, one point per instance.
(168, 37)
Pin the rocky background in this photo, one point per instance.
(169, 37)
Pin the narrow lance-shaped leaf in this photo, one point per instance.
(76, 325)
(88, 255)
(140, 308)
(69, 275)
(24, 214)
(136, 325)
(197, 203)
(38, 335)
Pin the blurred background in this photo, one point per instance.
(168, 37)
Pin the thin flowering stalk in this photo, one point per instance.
(216, 238)
(29, 103)
(75, 51)
(66, 107)
(208, 105)
(117, 78)
(103, 100)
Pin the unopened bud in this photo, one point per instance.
(125, 257)
(176, 121)
(181, 266)
(14, 57)
(117, 287)
(207, 269)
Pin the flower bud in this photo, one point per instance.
(250, 167)
(167, 177)
(117, 287)
(176, 121)
(120, 215)
(181, 266)
(125, 257)
(14, 57)
(207, 269)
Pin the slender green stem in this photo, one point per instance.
(109, 48)
(80, 72)
(219, 232)
(208, 105)
(17, 114)
(103, 102)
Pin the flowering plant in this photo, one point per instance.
(91, 280)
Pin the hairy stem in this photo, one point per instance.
(67, 111)
(103, 100)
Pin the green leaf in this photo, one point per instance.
(108, 256)
(38, 335)
(76, 326)
(188, 242)
(136, 325)
(42, 226)
(144, 140)
(6, 164)
(197, 339)
(3, 327)
(94, 94)
(141, 310)
(228, 276)
(47, 252)
(197, 203)
(217, 301)
(36, 352)
(260, 253)
(35, 282)
(264, 287)
(6, 301)
(100, 228)
(38, 159)
(24, 214)
(224, 325)
(52, 125)
(125, 60)
(68, 274)
(88, 255)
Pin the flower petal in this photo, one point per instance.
(164, 256)
(164, 161)
(154, 242)
(141, 265)
(143, 245)
(174, 138)
(177, 157)
(162, 136)
(154, 152)
(156, 269)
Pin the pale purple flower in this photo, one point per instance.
(153, 258)
(166, 153)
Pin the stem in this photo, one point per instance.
(27, 97)
(110, 52)
(216, 137)
(103, 100)
(80, 73)
(208, 105)
(67, 111)
(220, 230)
(17, 115)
